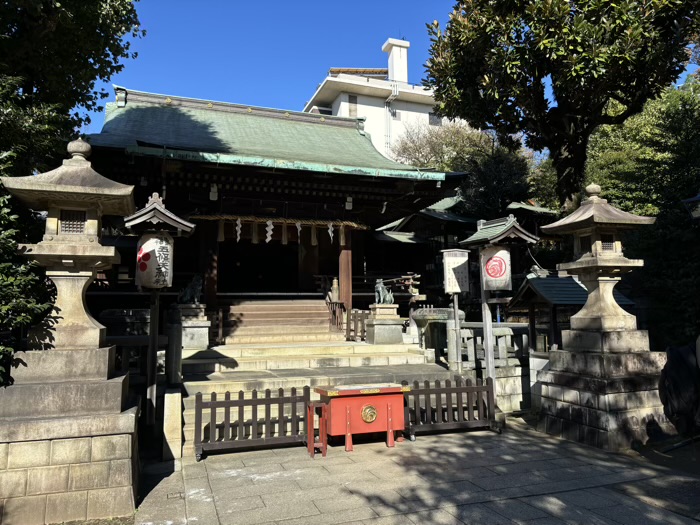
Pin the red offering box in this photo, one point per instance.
(362, 409)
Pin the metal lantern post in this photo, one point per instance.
(154, 271)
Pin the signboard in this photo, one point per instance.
(154, 260)
(495, 268)
(456, 266)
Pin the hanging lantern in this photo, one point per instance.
(154, 260)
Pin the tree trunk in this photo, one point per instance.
(569, 160)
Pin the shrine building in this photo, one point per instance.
(283, 201)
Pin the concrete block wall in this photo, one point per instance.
(62, 480)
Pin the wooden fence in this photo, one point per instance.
(355, 327)
(462, 405)
(236, 429)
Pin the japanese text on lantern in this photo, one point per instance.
(154, 260)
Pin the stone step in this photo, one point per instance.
(221, 382)
(295, 349)
(281, 321)
(265, 303)
(287, 329)
(278, 362)
(272, 338)
(243, 317)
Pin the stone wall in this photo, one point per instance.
(58, 480)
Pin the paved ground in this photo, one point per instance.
(473, 478)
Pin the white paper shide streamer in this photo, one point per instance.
(268, 231)
(330, 231)
(239, 228)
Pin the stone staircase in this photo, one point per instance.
(285, 344)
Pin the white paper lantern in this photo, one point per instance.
(154, 260)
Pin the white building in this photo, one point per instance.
(383, 97)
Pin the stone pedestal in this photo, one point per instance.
(384, 325)
(602, 389)
(68, 448)
(188, 329)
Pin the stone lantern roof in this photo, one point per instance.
(74, 182)
(595, 211)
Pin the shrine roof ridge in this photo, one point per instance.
(124, 96)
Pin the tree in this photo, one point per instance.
(57, 52)
(649, 165)
(495, 176)
(551, 69)
(51, 55)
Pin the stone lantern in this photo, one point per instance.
(602, 385)
(76, 197)
(600, 261)
(66, 416)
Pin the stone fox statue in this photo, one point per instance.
(190, 293)
(382, 295)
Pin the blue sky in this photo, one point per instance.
(266, 53)
(271, 54)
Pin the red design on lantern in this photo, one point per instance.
(142, 259)
(496, 267)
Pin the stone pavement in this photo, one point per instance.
(471, 478)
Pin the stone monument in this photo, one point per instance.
(602, 386)
(67, 440)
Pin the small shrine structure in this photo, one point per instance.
(67, 438)
(602, 386)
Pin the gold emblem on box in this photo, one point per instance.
(369, 414)
(370, 391)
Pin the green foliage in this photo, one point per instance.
(51, 55)
(23, 295)
(495, 175)
(60, 49)
(493, 62)
(542, 183)
(647, 166)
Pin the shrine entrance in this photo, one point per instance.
(299, 266)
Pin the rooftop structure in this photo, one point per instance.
(382, 96)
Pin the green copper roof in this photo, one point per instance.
(222, 133)
(497, 230)
(556, 291)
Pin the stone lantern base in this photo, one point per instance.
(68, 448)
(602, 390)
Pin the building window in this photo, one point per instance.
(434, 120)
(352, 100)
(73, 221)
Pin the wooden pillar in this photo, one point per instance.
(209, 262)
(553, 329)
(532, 328)
(345, 272)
